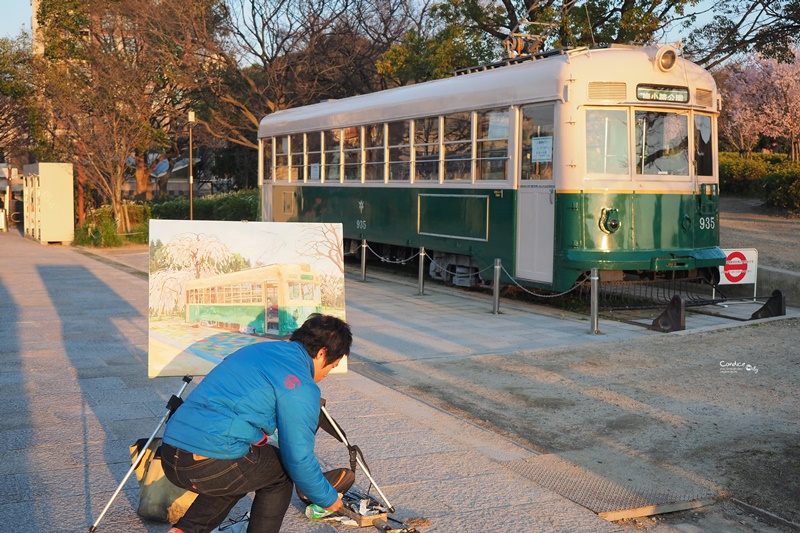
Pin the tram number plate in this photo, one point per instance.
(707, 223)
(361, 224)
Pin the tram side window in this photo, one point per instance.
(333, 154)
(373, 152)
(399, 151)
(537, 130)
(703, 159)
(267, 148)
(607, 141)
(308, 292)
(662, 143)
(491, 144)
(294, 290)
(457, 145)
(351, 150)
(314, 151)
(426, 148)
(298, 150)
(282, 158)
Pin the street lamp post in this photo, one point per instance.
(191, 176)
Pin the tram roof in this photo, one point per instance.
(520, 82)
(251, 275)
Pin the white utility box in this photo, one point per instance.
(49, 203)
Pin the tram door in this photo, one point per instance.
(535, 226)
(271, 309)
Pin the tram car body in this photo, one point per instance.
(555, 164)
(270, 300)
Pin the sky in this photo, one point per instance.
(15, 15)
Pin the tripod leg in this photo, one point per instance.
(358, 459)
(186, 380)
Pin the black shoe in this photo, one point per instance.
(341, 479)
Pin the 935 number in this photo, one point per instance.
(361, 224)
(707, 223)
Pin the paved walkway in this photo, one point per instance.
(75, 395)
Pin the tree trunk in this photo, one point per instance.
(116, 205)
(143, 189)
(164, 180)
(81, 196)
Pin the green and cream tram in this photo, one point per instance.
(269, 300)
(555, 164)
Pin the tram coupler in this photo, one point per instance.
(673, 318)
(774, 306)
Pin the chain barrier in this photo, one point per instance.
(403, 261)
(490, 267)
(392, 261)
(577, 284)
(443, 269)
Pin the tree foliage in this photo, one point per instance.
(761, 98)
(271, 55)
(186, 257)
(112, 103)
(739, 124)
(16, 114)
(743, 27)
(782, 101)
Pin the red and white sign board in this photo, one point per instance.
(741, 267)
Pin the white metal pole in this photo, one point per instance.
(358, 458)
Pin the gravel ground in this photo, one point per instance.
(745, 223)
(664, 400)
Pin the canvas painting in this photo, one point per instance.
(218, 286)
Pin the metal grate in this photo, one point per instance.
(651, 294)
(602, 495)
(704, 97)
(607, 90)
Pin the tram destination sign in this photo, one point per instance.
(662, 93)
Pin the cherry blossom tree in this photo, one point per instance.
(742, 88)
(187, 257)
(782, 101)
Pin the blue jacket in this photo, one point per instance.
(255, 390)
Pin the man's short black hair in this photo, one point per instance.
(324, 331)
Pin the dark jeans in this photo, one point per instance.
(220, 483)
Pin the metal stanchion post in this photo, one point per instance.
(191, 175)
(595, 287)
(496, 287)
(364, 260)
(422, 270)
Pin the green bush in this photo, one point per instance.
(101, 233)
(742, 177)
(773, 159)
(782, 189)
(240, 205)
(177, 209)
(139, 233)
(100, 230)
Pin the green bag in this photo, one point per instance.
(159, 499)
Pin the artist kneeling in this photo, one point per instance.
(215, 444)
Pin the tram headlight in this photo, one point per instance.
(609, 220)
(666, 58)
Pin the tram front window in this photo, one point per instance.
(662, 143)
(703, 157)
(607, 141)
